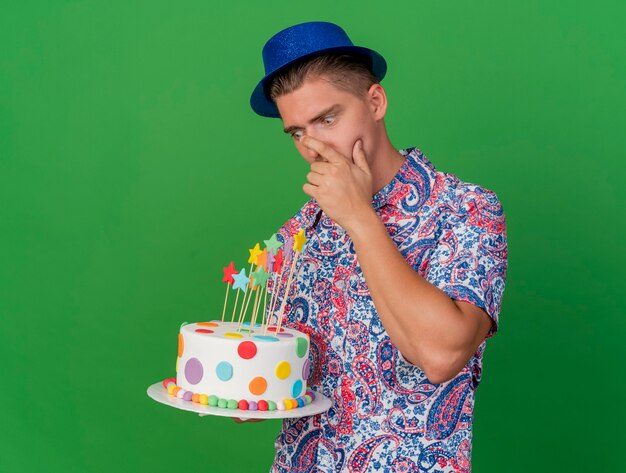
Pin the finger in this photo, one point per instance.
(310, 190)
(321, 148)
(314, 178)
(321, 167)
(358, 156)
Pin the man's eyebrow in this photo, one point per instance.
(331, 109)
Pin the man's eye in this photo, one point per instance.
(328, 120)
(297, 135)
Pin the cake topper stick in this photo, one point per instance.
(273, 299)
(229, 271)
(270, 308)
(255, 252)
(244, 308)
(298, 243)
(264, 306)
(273, 250)
(256, 298)
(232, 319)
(255, 313)
(225, 303)
(246, 303)
(260, 277)
(278, 276)
(270, 271)
(253, 259)
(279, 318)
(240, 282)
(262, 296)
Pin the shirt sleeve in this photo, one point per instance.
(469, 262)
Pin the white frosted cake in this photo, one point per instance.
(224, 365)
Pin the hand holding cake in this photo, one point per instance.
(244, 365)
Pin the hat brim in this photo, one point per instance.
(264, 106)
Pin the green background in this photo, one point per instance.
(132, 170)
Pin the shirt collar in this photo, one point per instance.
(412, 184)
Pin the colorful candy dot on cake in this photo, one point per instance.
(224, 370)
(252, 405)
(271, 406)
(170, 389)
(283, 370)
(187, 396)
(280, 405)
(302, 344)
(208, 324)
(177, 364)
(307, 398)
(306, 369)
(258, 386)
(232, 404)
(263, 405)
(285, 335)
(247, 324)
(194, 397)
(181, 344)
(300, 402)
(222, 403)
(203, 399)
(204, 330)
(312, 394)
(296, 388)
(193, 371)
(233, 335)
(213, 399)
(273, 329)
(243, 405)
(247, 350)
(176, 390)
(265, 338)
(287, 403)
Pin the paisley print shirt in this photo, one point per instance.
(386, 415)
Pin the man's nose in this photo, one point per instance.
(310, 153)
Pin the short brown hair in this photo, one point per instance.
(347, 72)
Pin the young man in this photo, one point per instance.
(402, 278)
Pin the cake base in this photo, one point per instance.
(159, 394)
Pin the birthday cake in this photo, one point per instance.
(243, 364)
(223, 364)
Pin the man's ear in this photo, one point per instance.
(377, 99)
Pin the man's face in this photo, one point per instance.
(321, 110)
